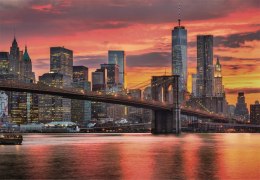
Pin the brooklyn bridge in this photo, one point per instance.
(164, 104)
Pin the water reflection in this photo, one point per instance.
(207, 166)
(132, 156)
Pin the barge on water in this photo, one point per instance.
(11, 139)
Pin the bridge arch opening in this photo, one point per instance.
(169, 94)
(161, 94)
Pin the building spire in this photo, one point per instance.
(218, 60)
(179, 14)
(26, 56)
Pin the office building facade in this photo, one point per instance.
(81, 109)
(118, 58)
(205, 73)
(61, 61)
(179, 57)
(99, 84)
(255, 113)
(241, 106)
(112, 76)
(53, 108)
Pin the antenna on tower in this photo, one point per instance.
(179, 13)
(14, 32)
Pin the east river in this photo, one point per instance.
(132, 156)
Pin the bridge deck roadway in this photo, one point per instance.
(73, 93)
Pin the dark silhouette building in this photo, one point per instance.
(81, 109)
(255, 113)
(205, 74)
(241, 106)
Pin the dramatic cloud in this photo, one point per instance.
(236, 40)
(48, 17)
(230, 58)
(90, 61)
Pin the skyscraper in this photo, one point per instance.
(80, 74)
(61, 60)
(194, 85)
(16, 100)
(53, 108)
(99, 80)
(30, 101)
(112, 76)
(14, 58)
(218, 86)
(26, 73)
(179, 56)
(4, 62)
(17, 66)
(241, 106)
(118, 57)
(99, 83)
(81, 109)
(255, 113)
(205, 75)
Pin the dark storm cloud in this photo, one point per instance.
(48, 17)
(246, 90)
(230, 58)
(236, 40)
(153, 59)
(234, 69)
(90, 61)
(233, 40)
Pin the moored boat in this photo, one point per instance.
(11, 139)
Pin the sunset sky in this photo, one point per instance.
(142, 28)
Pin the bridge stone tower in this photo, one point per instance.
(165, 90)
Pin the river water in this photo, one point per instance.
(132, 156)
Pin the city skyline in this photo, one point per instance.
(237, 39)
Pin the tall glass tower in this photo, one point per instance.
(205, 70)
(61, 60)
(118, 58)
(179, 55)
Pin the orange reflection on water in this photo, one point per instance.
(190, 157)
(133, 156)
(132, 159)
(239, 156)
